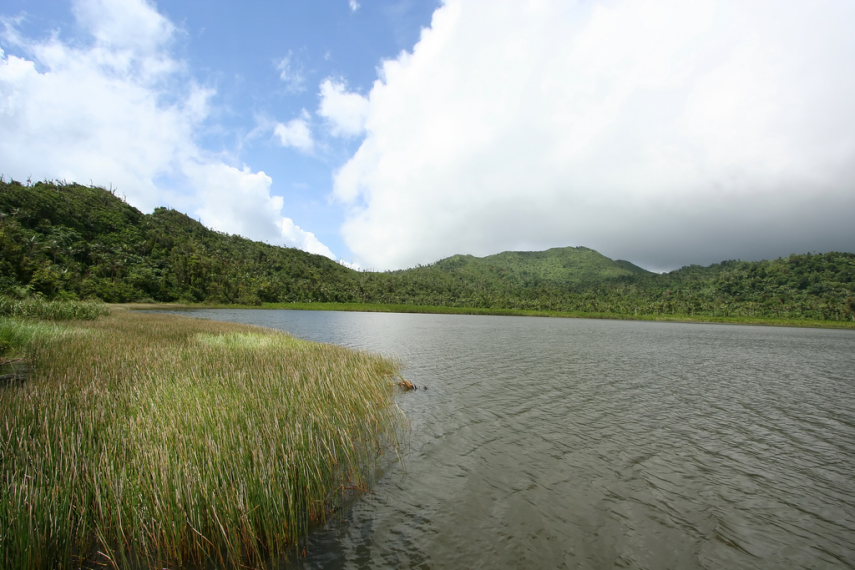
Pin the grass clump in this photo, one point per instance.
(159, 441)
(37, 308)
(17, 335)
(251, 340)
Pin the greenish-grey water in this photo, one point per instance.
(553, 443)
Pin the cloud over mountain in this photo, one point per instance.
(659, 131)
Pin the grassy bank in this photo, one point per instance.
(22, 320)
(157, 441)
(42, 309)
(431, 309)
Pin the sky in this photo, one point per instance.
(388, 134)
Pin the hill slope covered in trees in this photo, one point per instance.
(73, 241)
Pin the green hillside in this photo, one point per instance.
(560, 265)
(512, 279)
(73, 241)
(82, 242)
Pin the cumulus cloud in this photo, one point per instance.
(116, 109)
(659, 131)
(298, 237)
(354, 5)
(239, 201)
(296, 133)
(133, 25)
(344, 111)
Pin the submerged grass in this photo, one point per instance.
(149, 440)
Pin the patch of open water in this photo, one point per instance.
(568, 443)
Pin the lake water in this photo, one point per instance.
(570, 443)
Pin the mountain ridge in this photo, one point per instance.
(74, 241)
(573, 264)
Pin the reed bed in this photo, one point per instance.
(37, 308)
(154, 441)
(17, 334)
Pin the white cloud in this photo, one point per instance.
(296, 133)
(346, 112)
(296, 236)
(116, 109)
(132, 24)
(661, 131)
(238, 201)
(291, 73)
(130, 36)
(65, 116)
(354, 5)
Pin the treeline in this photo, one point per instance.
(810, 286)
(78, 242)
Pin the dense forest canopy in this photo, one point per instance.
(73, 241)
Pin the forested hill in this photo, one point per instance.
(560, 265)
(73, 240)
(68, 240)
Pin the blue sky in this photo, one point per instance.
(388, 134)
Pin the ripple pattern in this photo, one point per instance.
(546, 443)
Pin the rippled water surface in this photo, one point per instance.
(564, 443)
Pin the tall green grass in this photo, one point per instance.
(157, 441)
(17, 335)
(36, 308)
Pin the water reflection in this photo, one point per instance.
(548, 443)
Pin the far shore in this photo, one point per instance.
(444, 310)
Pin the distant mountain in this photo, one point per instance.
(68, 240)
(560, 265)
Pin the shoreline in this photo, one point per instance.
(445, 310)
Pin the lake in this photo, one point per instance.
(573, 443)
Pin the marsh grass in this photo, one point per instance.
(36, 308)
(148, 440)
(17, 334)
(249, 340)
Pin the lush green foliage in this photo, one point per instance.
(72, 241)
(208, 445)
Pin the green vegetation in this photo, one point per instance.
(68, 241)
(73, 241)
(38, 308)
(143, 440)
(17, 335)
(18, 329)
